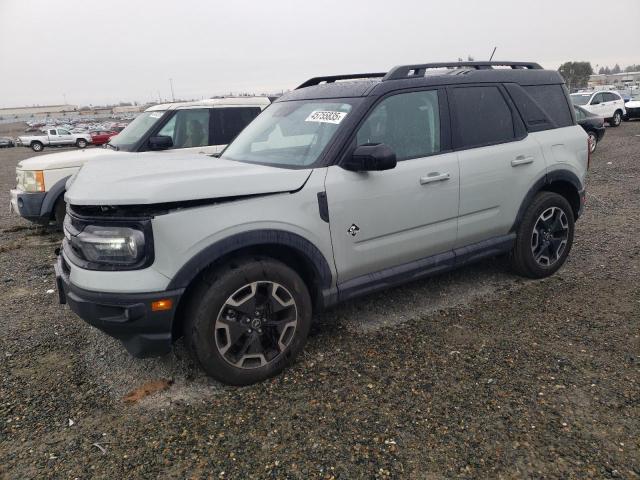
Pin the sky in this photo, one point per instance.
(93, 53)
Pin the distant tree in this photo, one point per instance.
(601, 71)
(576, 74)
(607, 70)
(632, 68)
(470, 58)
(616, 69)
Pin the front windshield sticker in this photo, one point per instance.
(326, 116)
(155, 115)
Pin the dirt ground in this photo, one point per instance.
(472, 374)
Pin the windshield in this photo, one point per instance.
(580, 98)
(128, 137)
(291, 133)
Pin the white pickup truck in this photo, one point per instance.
(54, 137)
(205, 127)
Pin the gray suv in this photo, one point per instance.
(344, 186)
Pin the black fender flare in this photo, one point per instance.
(50, 199)
(546, 179)
(210, 254)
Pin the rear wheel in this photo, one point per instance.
(37, 146)
(544, 237)
(81, 143)
(247, 320)
(616, 119)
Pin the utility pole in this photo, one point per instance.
(172, 94)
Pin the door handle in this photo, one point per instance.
(435, 177)
(521, 160)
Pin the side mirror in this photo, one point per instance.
(371, 157)
(161, 142)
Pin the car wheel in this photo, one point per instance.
(544, 236)
(247, 321)
(37, 146)
(81, 143)
(593, 141)
(616, 119)
(59, 211)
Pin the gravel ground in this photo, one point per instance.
(473, 374)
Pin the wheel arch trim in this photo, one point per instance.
(254, 238)
(52, 196)
(547, 179)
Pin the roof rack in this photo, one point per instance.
(333, 78)
(411, 71)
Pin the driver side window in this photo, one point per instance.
(597, 99)
(188, 128)
(409, 123)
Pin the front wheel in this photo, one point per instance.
(81, 143)
(593, 141)
(544, 236)
(616, 119)
(246, 321)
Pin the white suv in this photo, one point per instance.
(204, 126)
(344, 186)
(606, 104)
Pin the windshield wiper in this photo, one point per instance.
(113, 147)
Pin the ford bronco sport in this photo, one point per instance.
(344, 186)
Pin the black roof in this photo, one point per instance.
(419, 75)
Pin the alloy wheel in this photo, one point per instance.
(256, 324)
(593, 141)
(550, 236)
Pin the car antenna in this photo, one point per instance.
(493, 53)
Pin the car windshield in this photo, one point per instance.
(128, 137)
(580, 98)
(292, 133)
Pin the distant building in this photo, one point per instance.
(614, 80)
(40, 110)
(128, 109)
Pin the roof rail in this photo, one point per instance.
(411, 71)
(333, 78)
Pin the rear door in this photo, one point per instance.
(499, 162)
(228, 122)
(597, 105)
(382, 219)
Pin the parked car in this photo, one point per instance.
(344, 186)
(6, 142)
(100, 137)
(592, 124)
(54, 137)
(606, 104)
(632, 107)
(198, 127)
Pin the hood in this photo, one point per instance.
(70, 158)
(149, 178)
(632, 104)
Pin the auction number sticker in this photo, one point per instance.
(326, 116)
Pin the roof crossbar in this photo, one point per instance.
(418, 70)
(333, 78)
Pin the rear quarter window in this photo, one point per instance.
(552, 99)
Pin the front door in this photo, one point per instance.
(384, 219)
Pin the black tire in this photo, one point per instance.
(211, 322)
(37, 146)
(593, 141)
(616, 120)
(59, 211)
(81, 143)
(523, 255)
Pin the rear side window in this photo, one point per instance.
(229, 122)
(409, 123)
(483, 117)
(610, 97)
(552, 99)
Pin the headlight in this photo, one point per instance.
(122, 246)
(31, 180)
